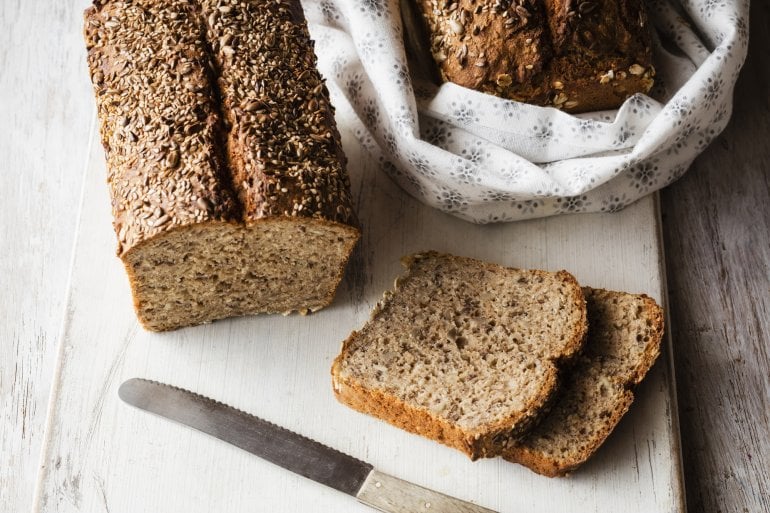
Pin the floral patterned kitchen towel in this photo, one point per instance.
(487, 159)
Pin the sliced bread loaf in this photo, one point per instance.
(225, 167)
(463, 352)
(623, 342)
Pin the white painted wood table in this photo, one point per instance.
(717, 224)
(77, 334)
(101, 455)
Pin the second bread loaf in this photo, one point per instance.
(575, 55)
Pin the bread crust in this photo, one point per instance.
(169, 168)
(493, 438)
(549, 467)
(393, 410)
(573, 55)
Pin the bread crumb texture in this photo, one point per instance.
(625, 331)
(462, 351)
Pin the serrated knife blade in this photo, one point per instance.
(289, 450)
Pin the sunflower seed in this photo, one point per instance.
(456, 26)
(504, 80)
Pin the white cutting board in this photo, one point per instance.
(102, 455)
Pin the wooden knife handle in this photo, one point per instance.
(392, 495)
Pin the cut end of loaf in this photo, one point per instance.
(463, 352)
(200, 273)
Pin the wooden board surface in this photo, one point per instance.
(104, 455)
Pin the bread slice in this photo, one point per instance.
(463, 352)
(624, 337)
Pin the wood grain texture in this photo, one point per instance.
(46, 113)
(104, 456)
(717, 240)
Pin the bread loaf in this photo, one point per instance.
(227, 177)
(623, 342)
(463, 352)
(575, 55)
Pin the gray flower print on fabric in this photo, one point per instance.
(741, 26)
(548, 189)
(705, 137)
(338, 65)
(496, 196)
(709, 7)
(400, 75)
(510, 110)
(365, 139)
(679, 109)
(415, 185)
(464, 113)
(438, 134)
(624, 134)
(353, 86)
(582, 177)
(614, 203)
(640, 105)
(585, 129)
(527, 207)
(421, 165)
(644, 176)
(374, 8)
(711, 90)
(682, 140)
(498, 217)
(543, 132)
(475, 152)
(391, 143)
(371, 113)
(512, 175)
(450, 200)
(572, 204)
(329, 11)
(404, 120)
(465, 172)
(370, 46)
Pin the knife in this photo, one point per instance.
(289, 450)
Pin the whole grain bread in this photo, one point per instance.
(624, 336)
(575, 55)
(226, 172)
(462, 351)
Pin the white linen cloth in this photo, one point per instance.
(487, 159)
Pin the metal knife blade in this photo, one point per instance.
(289, 450)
